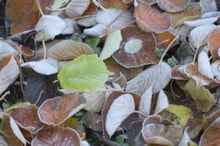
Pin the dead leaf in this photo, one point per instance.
(199, 35)
(210, 136)
(76, 8)
(150, 19)
(56, 136)
(93, 121)
(208, 6)
(9, 71)
(162, 102)
(203, 98)
(55, 111)
(216, 70)
(173, 6)
(45, 66)
(126, 106)
(51, 26)
(214, 42)
(135, 50)
(32, 123)
(204, 67)
(157, 76)
(145, 103)
(201, 22)
(68, 50)
(6, 49)
(118, 4)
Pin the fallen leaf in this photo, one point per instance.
(118, 4)
(59, 4)
(56, 136)
(97, 30)
(68, 50)
(157, 76)
(173, 6)
(135, 50)
(9, 71)
(204, 67)
(93, 121)
(6, 49)
(214, 43)
(162, 102)
(203, 98)
(201, 22)
(45, 66)
(3, 142)
(145, 103)
(32, 123)
(150, 19)
(112, 44)
(216, 70)
(86, 72)
(210, 7)
(56, 110)
(210, 136)
(76, 8)
(50, 25)
(124, 105)
(199, 35)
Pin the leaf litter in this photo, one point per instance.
(139, 73)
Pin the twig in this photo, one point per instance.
(39, 7)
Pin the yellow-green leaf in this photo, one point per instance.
(86, 72)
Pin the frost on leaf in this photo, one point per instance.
(157, 76)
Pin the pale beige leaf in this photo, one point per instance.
(119, 110)
(157, 76)
(199, 35)
(45, 66)
(112, 44)
(51, 25)
(106, 17)
(69, 28)
(97, 30)
(94, 100)
(145, 103)
(6, 49)
(68, 50)
(201, 22)
(162, 102)
(76, 8)
(204, 67)
(8, 73)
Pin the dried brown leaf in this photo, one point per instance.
(172, 5)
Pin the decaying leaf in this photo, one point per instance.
(204, 67)
(55, 111)
(112, 44)
(199, 35)
(124, 105)
(136, 48)
(210, 136)
(203, 98)
(162, 102)
(97, 30)
(50, 25)
(150, 19)
(3, 142)
(76, 8)
(9, 71)
(216, 70)
(214, 43)
(208, 6)
(68, 50)
(145, 103)
(32, 124)
(172, 5)
(191, 71)
(45, 66)
(201, 22)
(59, 4)
(56, 136)
(84, 73)
(157, 76)
(118, 4)
(6, 49)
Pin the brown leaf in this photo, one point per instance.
(113, 4)
(56, 136)
(68, 50)
(136, 49)
(164, 39)
(150, 19)
(172, 5)
(211, 135)
(32, 122)
(55, 111)
(214, 42)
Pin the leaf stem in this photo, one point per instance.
(39, 7)
(45, 50)
(195, 55)
(168, 47)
